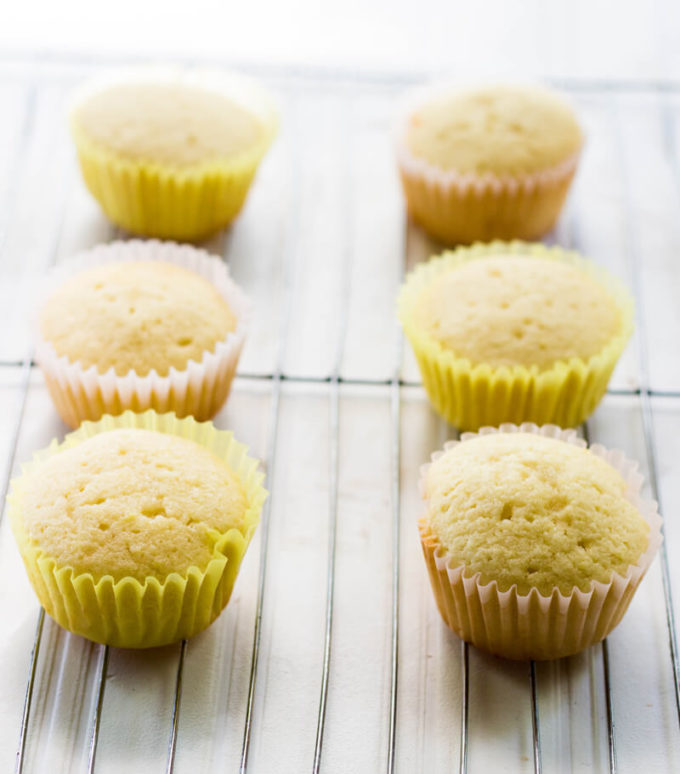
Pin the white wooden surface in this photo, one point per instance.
(321, 247)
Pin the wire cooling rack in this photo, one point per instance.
(331, 655)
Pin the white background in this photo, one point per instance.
(549, 38)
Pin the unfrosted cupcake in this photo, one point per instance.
(139, 325)
(534, 544)
(494, 162)
(171, 153)
(133, 529)
(514, 332)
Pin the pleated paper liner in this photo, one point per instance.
(183, 203)
(465, 210)
(470, 395)
(535, 625)
(198, 390)
(127, 613)
(461, 208)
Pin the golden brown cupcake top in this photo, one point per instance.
(524, 509)
(172, 124)
(132, 503)
(501, 130)
(136, 316)
(509, 310)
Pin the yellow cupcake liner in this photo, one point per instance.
(198, 390)
(470, 395)
(187, 204)
(535, 625)
(127, 613)
(462, 208)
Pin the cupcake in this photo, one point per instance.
(489, 163)
(171, 153)
(534, 544)
(514, 332)
(133, 529)
(139, 325)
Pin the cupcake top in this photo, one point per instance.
(525, 509)
(132, 503)
(507, 310)
(501, 130)
(138, 315)
(169, 123)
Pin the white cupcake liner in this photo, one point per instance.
(446, 180)
(198, 390)
(451, 178)
(474, 207)
(533, 625)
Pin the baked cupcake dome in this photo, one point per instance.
(171, 153)
(136, 316)
(138, 325)
(133, 529)
(489, 163)
(514, 332)
(534, 544)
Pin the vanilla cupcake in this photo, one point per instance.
(133, 529)
(489, 163)
(171, 153)
(514, 332)
(139, 325)
(534, 544)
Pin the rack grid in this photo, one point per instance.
(331, 656)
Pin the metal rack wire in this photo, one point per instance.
(334, 383)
